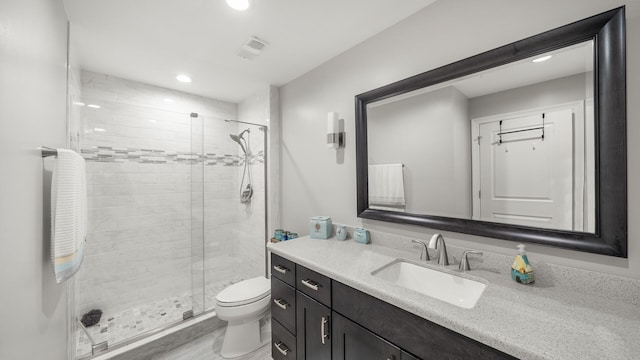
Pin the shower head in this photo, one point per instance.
(239, 137)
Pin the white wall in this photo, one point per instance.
(315, 182)
(33, 46)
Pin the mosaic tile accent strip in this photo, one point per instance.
(154, 156)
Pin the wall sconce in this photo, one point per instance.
(335, 131)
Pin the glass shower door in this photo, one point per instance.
(234, 204)
(143, 226)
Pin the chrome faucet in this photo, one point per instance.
(464, 262)
(437, 242)
(424, 253)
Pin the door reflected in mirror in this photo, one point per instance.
(513, 144)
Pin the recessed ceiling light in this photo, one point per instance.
(541, 59)
(99, 129)
(93, 106)
(78, 103)
(167, 100)
(183, 78)
(240, 5)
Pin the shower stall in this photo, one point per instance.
(176, 205)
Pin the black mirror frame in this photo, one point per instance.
(609, 35)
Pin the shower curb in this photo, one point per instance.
(165, 341)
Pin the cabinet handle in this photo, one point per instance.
(281, 269)
(281, 304)
(282, 348)
(324, 335)
(310, 284)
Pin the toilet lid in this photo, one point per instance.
(245, 292)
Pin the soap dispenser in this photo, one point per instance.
(521, 270)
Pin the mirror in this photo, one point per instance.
(515, 132)
(521, 142)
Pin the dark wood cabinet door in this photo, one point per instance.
(313, 329)
(353, 342)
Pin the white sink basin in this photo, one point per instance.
(450, 288)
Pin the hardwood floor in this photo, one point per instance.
(207, 347)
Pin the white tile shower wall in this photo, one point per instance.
(101, 87)
(255, 109)
(251, 219)
(139, 247)
(143, 216)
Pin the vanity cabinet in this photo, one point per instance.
(283, 304)
(317, 318)
(353, 342)
(313, 341)
(283, 309)
(283, 343)
(409, 332)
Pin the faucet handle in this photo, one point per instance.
(424, 253)
(464, 262)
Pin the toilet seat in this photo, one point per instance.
(244, 292)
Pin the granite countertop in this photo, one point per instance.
(529, 322)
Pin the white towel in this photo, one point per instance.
(386, 187)
(68, 214)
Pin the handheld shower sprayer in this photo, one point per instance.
(246, 191)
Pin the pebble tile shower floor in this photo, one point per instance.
(122, 326)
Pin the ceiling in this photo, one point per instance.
(567, 61)
(571, 60)
(152, 41)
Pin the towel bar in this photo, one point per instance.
(47, 151)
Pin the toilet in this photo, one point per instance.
(245, 305)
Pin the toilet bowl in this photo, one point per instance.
(245, 305)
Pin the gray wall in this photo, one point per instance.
(435, 130)
(320, 181)
(33, 48)
(548, 93)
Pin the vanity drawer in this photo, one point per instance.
(283, 344)
(283, 269)
(317, 286)
(283, 304)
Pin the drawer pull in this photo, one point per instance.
(323, 329)
(281, 304)
(310, 284)
(282, 348)
(281, 269)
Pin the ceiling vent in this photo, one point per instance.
(251, 49)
